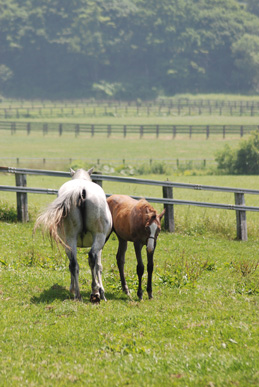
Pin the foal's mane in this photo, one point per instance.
(149, 213)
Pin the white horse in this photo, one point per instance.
(80, 216)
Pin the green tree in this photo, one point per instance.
(241, 161)
(246, 54)
(253, 6)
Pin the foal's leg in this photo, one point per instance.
(140, 267)
(150, 266)
(121, 262)
(74, 270)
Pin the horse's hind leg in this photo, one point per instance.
(140, 267)
(121, 262)
(74, 271)
(96, 268)
(99, 275)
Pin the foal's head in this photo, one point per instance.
(152, 227)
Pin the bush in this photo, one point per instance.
(241, 161)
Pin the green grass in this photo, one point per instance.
(201, 328)
(111, 151)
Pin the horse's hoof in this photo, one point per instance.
(78, 299)
(102, 296)
(95, 299)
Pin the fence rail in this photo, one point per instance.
(157, 107)
(55, 162)
(22, 190)
(124, 130)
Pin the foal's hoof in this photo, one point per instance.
(95, 299)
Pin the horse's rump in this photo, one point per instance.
(52, 218)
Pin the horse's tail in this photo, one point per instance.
(52, 219)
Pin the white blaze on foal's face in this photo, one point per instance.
(151, 239)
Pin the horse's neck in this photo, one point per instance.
(82, 175)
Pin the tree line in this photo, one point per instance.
(127, 49)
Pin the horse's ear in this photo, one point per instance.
(90, 171)
(72, 172)
(161, 215)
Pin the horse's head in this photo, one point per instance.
(153, 228)
(81, 174)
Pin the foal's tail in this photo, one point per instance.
(51, 220)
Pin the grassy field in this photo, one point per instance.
(201, 328)
(162, 107)
(111, 151)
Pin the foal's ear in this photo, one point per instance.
(161, 215)
(90, 171)
(72, 172)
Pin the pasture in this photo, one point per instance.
(201, 328)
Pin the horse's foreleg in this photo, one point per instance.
(150, 266)
(140, 267)
(120, 257)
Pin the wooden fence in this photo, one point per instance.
(57, 162)
(157, 107)
(22, 190)
(124, 130)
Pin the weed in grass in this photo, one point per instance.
(245, 267)
(247, 276)
(7, 212)
(184, 271)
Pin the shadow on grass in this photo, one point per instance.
(57, 292)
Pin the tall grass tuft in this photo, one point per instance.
(7, 212)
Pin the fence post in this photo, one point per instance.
(77, 130)
(174, 131)
(99, 182)
(28, 128)
(241, 217)
(157, 131)
(169, 209)
(60, 129)
(13, 128)
(22, 198)
(124, 130)
(141, 131)
(45, 129)
(207, 132)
